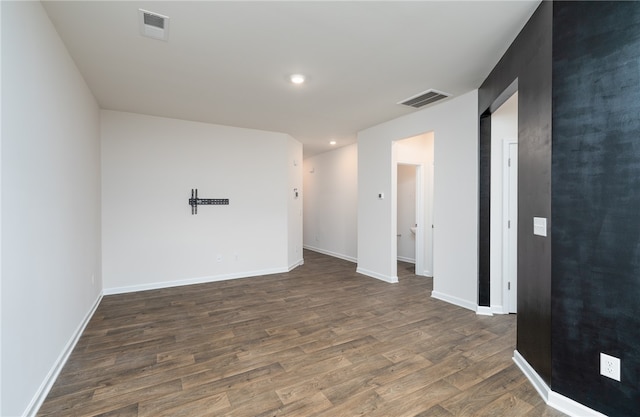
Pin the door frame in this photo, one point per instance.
(510, 303)
(420, 162)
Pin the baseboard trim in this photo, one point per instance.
(405, 259)
(496, 309)
(454, 300)
(296, 264)
(532, 376)
(390, 280)
(489, 311)
(484, 311)
(191, 281)
(330, 253)
(551, 398)
(571, 407)
(54, 372)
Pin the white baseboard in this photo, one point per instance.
(330, 253)
(553, 399)
(52, 375)
(425, 273)
(191, 281)
(391, 280)
(454, 300)
(484, 311)
(296, 264)
(496, 309)
(533, 377)
(490, 311)
(405, 259)
(571, 407)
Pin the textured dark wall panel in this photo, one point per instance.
(528, 60)
(596, 202)
(484, 221)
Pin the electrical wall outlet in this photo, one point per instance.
(610, 366)
(219, 257)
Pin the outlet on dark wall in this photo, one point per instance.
(596, 202)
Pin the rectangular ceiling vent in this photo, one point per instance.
(153, 25)
(424, 98)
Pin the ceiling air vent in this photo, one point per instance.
(153, 25)
(424, 98)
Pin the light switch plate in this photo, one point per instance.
(540, 226)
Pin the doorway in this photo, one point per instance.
(504, 208)
(409, 244)
(413, 198)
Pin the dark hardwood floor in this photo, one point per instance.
(320, 340)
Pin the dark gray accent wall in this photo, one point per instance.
(528, 60)
(596, 202)
(484, 220)
(577, 65)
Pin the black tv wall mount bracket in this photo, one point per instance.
(194, 201)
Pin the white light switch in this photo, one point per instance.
(540, 226)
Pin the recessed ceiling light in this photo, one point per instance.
(333, 142)
(297, 78)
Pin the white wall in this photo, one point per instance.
(406, 213)
(504, 125)
(331, 202)
(151, 239)
(1, 322)
(50, 205)
(455, 126)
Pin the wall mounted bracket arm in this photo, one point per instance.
(194, 201)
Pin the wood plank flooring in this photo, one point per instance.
(320, 341)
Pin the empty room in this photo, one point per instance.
(319, 208)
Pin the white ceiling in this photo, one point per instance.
(228, 62)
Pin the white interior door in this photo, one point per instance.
(510, 218)
(419, 220)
